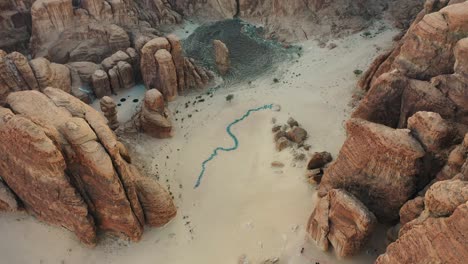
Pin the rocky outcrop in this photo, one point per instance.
(294, 20)
(154, 117)
(436, 240)
(94, 29)
(377, 164)
(167, 74)
(17, 74)
(109, 109)
(164, 68)
(73, 171)
(221, 52)
(445, 196)
(411, 210)
(101, 84)
(432, 228)
(342, 220)
(431, 130)
(15, 25)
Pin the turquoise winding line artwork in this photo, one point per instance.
(234, 138)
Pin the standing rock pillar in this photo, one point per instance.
(109, 108)
(221, 56)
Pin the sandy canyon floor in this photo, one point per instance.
(243, 206)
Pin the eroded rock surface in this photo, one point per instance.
(342, 220)
(154, 117)
(85, 176)
(377, 164)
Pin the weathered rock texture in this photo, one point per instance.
(377, 164)
(436, 240)
(436, 234)
(420, 85)
(18, 74)
(154, 118)
(298, 19)
(94, 29)
(109, 108)
(164, 68)
(8, 200)
(15, 25)
(342, 220)
(67, 167)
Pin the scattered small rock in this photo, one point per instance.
(276, 128)
(292, 122)
(297, 134)
(277, 164)
(279, 134)
(271, 261)
(282, 143)
(332, 46)
(319, 160)
(314, 176)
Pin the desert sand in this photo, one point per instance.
(243, 206)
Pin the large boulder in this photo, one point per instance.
(341, 219)
(431, 130)
(445, 196)
(154, 117)
(377, 164)
(167, 74)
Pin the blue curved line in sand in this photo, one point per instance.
(234, 138)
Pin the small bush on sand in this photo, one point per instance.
(229, 97)
(276, 80)
(357, 72)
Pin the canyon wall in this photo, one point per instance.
(405, 157)
(298, 19)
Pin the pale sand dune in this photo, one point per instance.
(243, 206)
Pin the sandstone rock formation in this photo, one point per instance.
(221, 56)
(164, 68)
(17, 74)
(154, 117)
(436, 240)
(101, 84)
(377, 164)
(109, 108)
(342, 220)
(94, 29)
(8, 200)
(68, 168)
(297, 19)
(420, 85)
(15, 25)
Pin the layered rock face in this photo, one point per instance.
(93, 29)
(437, 235)
(164, 67)
(68, 168)
(297, 19)
(377, 164)
(342, 220)
(17, 74)
(406, 151)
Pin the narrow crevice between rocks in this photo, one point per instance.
(237, 14)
